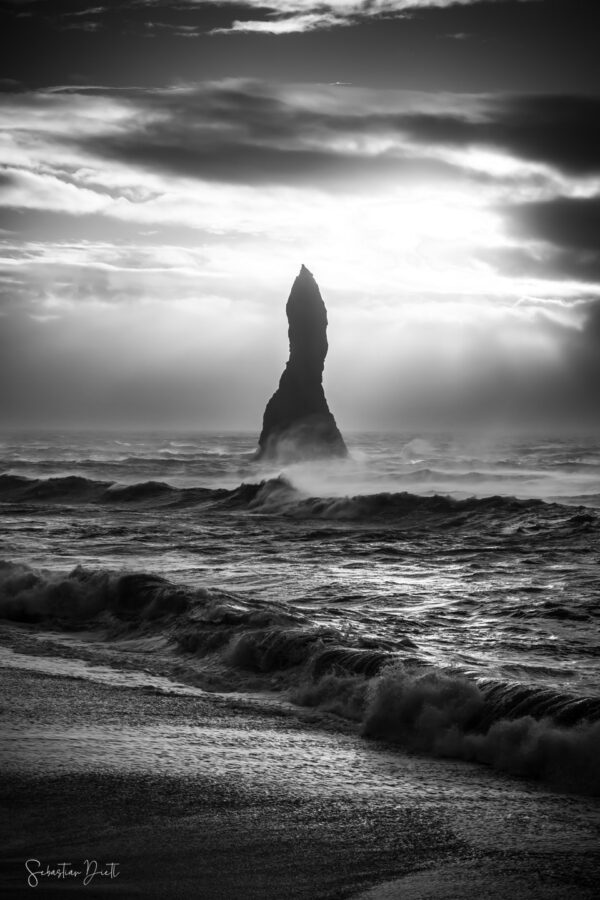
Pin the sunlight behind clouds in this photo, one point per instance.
(423, 218)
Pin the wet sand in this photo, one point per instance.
(203, 796)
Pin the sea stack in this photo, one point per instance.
(297, 423)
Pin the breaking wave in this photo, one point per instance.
(279, 497)
(515, 728)
(388, 688)
(84, 595)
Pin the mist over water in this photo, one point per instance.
(440, 590)
(544, 467)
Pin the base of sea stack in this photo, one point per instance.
(315, 437)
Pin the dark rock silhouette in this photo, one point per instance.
(297, 423)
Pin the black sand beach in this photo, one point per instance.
(216, 796)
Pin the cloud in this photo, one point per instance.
(219, 158)
(392, 190)
(30, 190)
(286, 24)
(249, 116)
(560, 131)
(250, 132)
(299, 16)
(260, 16)
(556, 238)
(531, 258)
(190, 341)
(567, 222)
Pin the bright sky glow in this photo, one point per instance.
(181, 215)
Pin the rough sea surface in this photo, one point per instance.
(442, 592)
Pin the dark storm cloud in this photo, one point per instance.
(572, 223)
(282, 17)
(541, 45)
(10, 85)
(547, 262)
(251, 133)
(266, 16)
(77, 13)
(559, 239)
(248, 132)
(244, 163)
(558, 130)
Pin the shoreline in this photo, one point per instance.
(196, 797)
(228, 823)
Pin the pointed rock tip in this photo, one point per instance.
(304, 272)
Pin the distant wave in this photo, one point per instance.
(78, 489)
(275, 496)
(278, 495)
(500, 517)
(591, 500)
(387, 687)
(160, 458)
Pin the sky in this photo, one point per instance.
(165, 169)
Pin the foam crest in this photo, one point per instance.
(280, 497)
(82, 595)
(447, 715)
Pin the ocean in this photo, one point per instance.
(436, 592)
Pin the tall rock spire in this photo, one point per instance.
(297, 423)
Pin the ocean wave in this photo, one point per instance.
(455, 476)
(591, 500)
(83, 595)
(143, 490)
(78, 489)
(279, 497)
(449, 715)
(162, 458)
(446, 714)
(388, 688)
